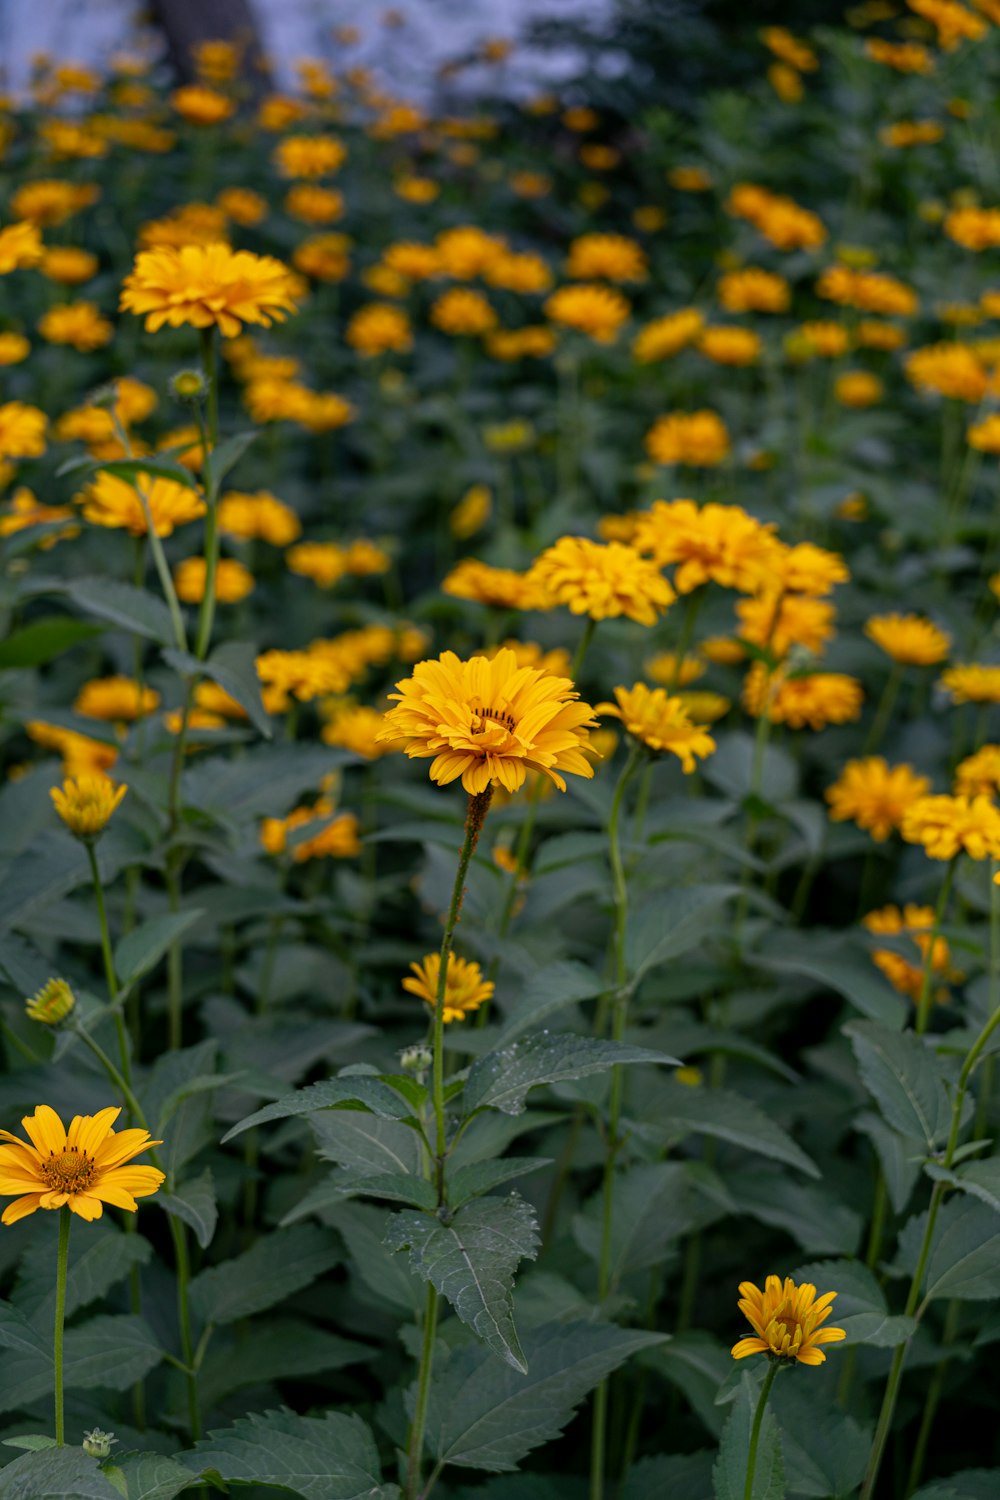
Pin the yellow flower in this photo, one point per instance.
(243, 206)
(858, 388)
(68, 264)
(601, 580)
(909, 639)
(698, 438)
(86, 804)
(313, 204)
(972, 684)
(779, 219)
(352, 726)
(979, 774)
(324, 562)
(665, 669)
(117, 699)
(531, 654)
(466, 251)
(825, 338)
(378, 328)
(985, 435)
(660, 722)
(807, 569)
(260, 516)
(814, 700)
(22, 431)
(191, 224)
(233, 581)
(338, 840)
(730, 346)
(916, 923)
(689, 179)
(905, 57)
(872, 334)
(413, 261)
(14, 348)
(461, 311)
(777, 621)
(81, 755)
(754, 290)
(490, 722)
(667, 336)
(947, 826)
(309, 155)
(472, 512)
(465, 989)
(594, 310)
(113, 502)
(52, 1004)
(606, 257)
(200, 105)
(416, 189)
(791, 51)
(952, 370)
(501, 587)
(303, 674)
(722, 543)
(786, 1321)
(83, 1167)
(76, 323)
(20, 245)
(874, 795)
(205, 286)
(703, 707)
(534, 341)
(48, 201)
(787, 84)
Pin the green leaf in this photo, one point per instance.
(152, 1476)
(142, 948)
(53, 866)
(860, 1308)
(328, 1458)
(129, 468)
(111, 1352)
(673, 924)
(97, 1262)
(549, 989)
(471, 1261)
(697, 1364)
(271, 1270)
(844, 973)
(371, 1093)
(681, 1476)
(481, 1177)
(42, 640)
(719, 1112)
(195, 1204)
(484, 1415)
(397, 1187)
(34, 1442)
(55, 1474)
(366, 1143)
(820, 1223)
(979, 1178)
(274, 1348)
(120, 604)
(225, 457)
(654, 1204)
(968, 1484)
(965, 1252)
(501, 1079)
(900, 1157)
(730, 1471)
(904, 1077)
(382, 1274)
(825, 1450)
(233, 666)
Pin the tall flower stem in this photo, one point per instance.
(62, 1262)
(886, 704)
(758, 1418)
(618, 1018)
(926, 982)
(478, 807)
(111, 979)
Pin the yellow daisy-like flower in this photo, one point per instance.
(979, 774)
(465, 989)
(911, 640)
(594, 310)
(777, 622)
(233, 581)
(660, 722)
(730, 346)
(875, 795)
(81, 756)
(504, 588)
(602, 580)
(83, 1167)
(261, 516)
(721, 543)
(813, 700)
(667, 336)
(665, 669)
(463, 312)
(858, 389)
(947, 826)
(379, 328)
(20, 245)
(117, 699)
(69, 265)
(491, 722)
(786, 1321)
(952, 370)
(309, 155)
(754, 290)
(915, 923)
(22, 431)
(86, 804)
(113, 502)
(972, 683)
(78, 324)
(205, 286)
(200, 105)
(697, 438)
(807, 569)
(606, 257)
(354, 727)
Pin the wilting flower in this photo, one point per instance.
(86, 804)
(947, 826)
(874, 795)
(465, 989)
(786, 1321)
(207, 286)
(601, 580)
(113, 502)
(909, 639)
(83, 1167)
(660, 722)
(490, 722)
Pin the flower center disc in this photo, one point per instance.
(69, 1172)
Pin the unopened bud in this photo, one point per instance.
(98, 1444)
(52, 1004)
(189, 386)
(416, 1059)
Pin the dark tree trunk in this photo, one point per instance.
(185, 23)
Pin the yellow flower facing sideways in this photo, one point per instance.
(86, 804)
(660, 722)
(465, 989)
(786, 1320)
(83, 1167)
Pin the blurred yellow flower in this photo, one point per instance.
(972, 683)
(233, 581)
(22, 431)
(118, 699)
(86, 804)
(590, 309)
(909, 639)
(472, 512)
(947, 826)
(875, 795)
(697, 438)
(602, 580)
(113, 502)
(259, 516)
(205, 286)
(660, 722)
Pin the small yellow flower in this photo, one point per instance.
(113, 502)
(667, 336)
(86, 804)
(379, 328)
(606, 257)
(813, 700)
(22, 431)
(754, 290)
(721, 543)
(858, 389)
(200, 105)
(83, 1167)
(52, 1004)
(972, 683)
(786, 1321)
(730, 346)
(588, 308)
(602, 580)
(947, 826)
(233, 581)
(979, 774)
(309, 155)
(874, 795)
(465, 988)
(659, 722)
(463, 312)
(259, 516)
(911, 640)
(118, 699)
(697, 438)
(472, 512)
(207, 285)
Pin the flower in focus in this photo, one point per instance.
(490, 722)
(660, 722)
(874, 795)
(786, 1321)
(207, 286)
(86, 805)
(909, 639)
(233, 581)
(601, 580)
(594, 310)
(972, 683)
(947, 826)
(52, 1004)
(465, 989)
(113, 502)
(698, 438)
(83, 1167)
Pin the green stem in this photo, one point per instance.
(926, 983)
(933, 1397)
(758, 1418)
(110, 976)
(423, 1392)
(179, 1237)
(886, 704)
(62, 1261)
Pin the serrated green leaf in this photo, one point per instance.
(142, 948)
(728, 1116)
(371, 1093)
(483, 1176)
(397, 1187)
(328, 1458)
(233, 666)
(673, 924)
(860, 1308)
(471, 1261)
(965, 1252)
(549, 989)
(274, 1348)
(501, 1079)
(120, 604)
(55, 1474)
(194, 1202)
(367, 1143)
(825, 1450)
(97, 1262)
(43, 640)
(654, 1204)
(152, 1476)
(730, 1472)
(279, 1264)
(485, 1415)
(904, 1078)
(981, 1179)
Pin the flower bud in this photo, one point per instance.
(416, 1059)
(52, 1004)
(98, 1444)
(189, 386)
